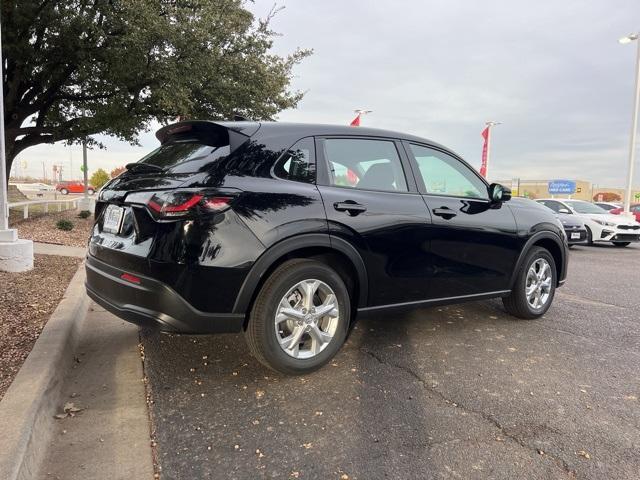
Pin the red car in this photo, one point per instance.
(635, 209)
(74, 186)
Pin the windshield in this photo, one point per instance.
(585, 207)
(185, 157)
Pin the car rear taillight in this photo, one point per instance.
(130, 278)
(180, 204)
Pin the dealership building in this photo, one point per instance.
(583, 190)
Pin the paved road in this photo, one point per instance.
(454, 392)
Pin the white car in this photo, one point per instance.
(607, 205)
(601, 225)
(34, 187)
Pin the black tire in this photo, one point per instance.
(589, 236)
(261, 330)
(91, 191)
(64, 191)
(516, 303)
(621, 244)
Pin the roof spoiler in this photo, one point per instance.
(207, 132)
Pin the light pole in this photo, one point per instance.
(634, 124)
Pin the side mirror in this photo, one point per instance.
(499, 193)
(564, 210)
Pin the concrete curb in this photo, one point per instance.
(28, 407)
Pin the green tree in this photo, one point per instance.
(99, 178)
(75, 68)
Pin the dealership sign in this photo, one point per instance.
(562, 186)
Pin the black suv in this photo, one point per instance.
(287, 231)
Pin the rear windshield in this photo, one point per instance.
(185, 157)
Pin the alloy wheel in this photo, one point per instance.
(538, 283)
(306, 319)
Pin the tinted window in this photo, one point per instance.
(365, 164)
(445, 175)
(185, 157)
(298, 163)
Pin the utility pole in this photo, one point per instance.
(85, 203)
(634, 124)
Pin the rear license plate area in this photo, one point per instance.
(113, 216)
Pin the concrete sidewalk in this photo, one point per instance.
(110, 437)
(61, 250)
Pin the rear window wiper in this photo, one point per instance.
(143, 167)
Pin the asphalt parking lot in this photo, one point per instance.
(446, 392)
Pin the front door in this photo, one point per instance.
(371, 200)
(474, 244)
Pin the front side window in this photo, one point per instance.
(298, 163)
(365, 164)
(443, 174)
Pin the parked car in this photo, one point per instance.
(634, 208)
(608, 206)
(601, 225)
(573, 226)
(66, 188)
(242, 226)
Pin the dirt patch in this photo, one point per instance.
(43, 229)
(27, 300)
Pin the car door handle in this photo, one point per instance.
(444, 212)
(349, 206)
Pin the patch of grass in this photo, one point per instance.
(64, 224)
(84, 214)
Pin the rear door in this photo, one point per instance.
(474, 244)
(371, 201)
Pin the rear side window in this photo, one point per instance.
(365, 164)
(185, 157)
(298, 163)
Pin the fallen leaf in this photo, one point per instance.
(584, 454)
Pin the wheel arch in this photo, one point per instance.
(336, 252)
(551, 242)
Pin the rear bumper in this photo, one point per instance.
(151, 303)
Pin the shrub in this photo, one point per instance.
(84, 214)
(99, 178)
(64, 225)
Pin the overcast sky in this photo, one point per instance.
(552, 72)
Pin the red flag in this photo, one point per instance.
(352, 178)
(483, 166)
(355, 122)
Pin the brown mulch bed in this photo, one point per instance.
(43, 229)
(27, 300)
